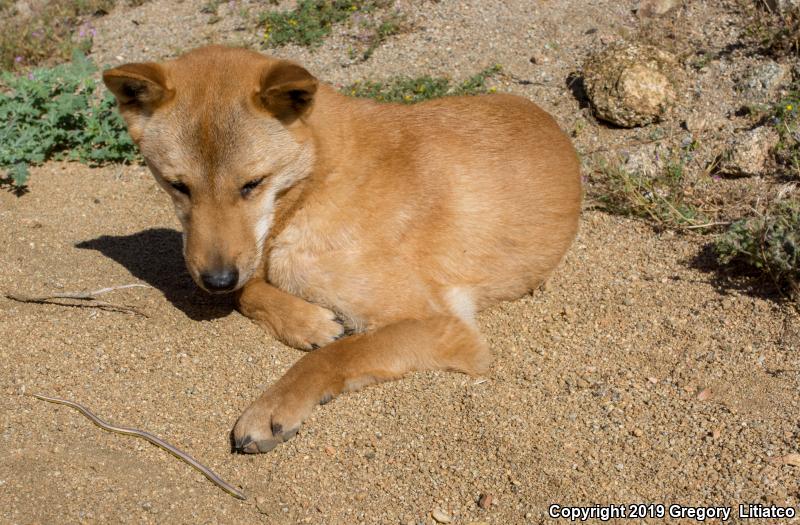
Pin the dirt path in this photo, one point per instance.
(633, 377)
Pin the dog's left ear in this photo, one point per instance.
(286, 91)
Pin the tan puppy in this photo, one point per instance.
(332, 216)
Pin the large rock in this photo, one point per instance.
(748, 153)
(631, 84)
(763, 81)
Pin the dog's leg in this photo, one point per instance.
(351, 363)
(292, 320)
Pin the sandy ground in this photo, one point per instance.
(635, 376)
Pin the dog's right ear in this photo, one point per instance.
(138, 86)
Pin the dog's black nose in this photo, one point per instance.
(220, 280)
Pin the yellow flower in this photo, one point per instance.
(789, 107)
(408, 97)
(292, 22)
(492, 89)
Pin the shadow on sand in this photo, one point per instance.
(155, 256)
(732, 279)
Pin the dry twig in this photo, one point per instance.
(90, 297)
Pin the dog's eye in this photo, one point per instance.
(180, 187)
(250, 186)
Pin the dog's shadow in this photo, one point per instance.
(156, 257)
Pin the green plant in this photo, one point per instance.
(701, 60)
(310, 22)
(768, 242)
(57, 113)
(786, 119)
(663, 198)
(409, 90)
(46, 30)
(313, 20)
(373, 31)
(210, 7)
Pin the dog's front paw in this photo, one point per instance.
(291, 319)
(272, 419)
(309, 327)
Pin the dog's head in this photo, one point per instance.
(223, 132)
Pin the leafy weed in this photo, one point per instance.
(768, 243)
(58, 113)
(409, 90)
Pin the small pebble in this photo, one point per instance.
(441, 516)
(705, 394)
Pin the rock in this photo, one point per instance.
(648, 159)
(655, 8)
(764, 80)
(441, 516)
(697, 122)
(748, 153)
(485, 501)
(705, 394)
(631, 84)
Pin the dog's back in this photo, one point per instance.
(475, 198)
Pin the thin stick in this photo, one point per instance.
(84, 296)
(155, 440)
(707, 225)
